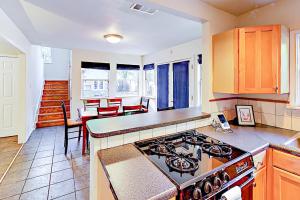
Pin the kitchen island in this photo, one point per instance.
(126, 164)
(113, 132)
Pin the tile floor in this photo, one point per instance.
(9, 147)
(42, 171)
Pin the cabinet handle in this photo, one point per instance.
(276, 89)
(254, 184)
(259, 164)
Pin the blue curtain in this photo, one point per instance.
(162, 86)
(93, 65)
(149, 67)
(200, 59)
(181, 84)
(127, 67)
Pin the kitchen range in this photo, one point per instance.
(200, 167)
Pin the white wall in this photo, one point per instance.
(79, 55)
(187, 51)
(285, 12)
(34, 86)
(215, 21)
(32, 75)
(59, 69)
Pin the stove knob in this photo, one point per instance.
(225, 177)
(217, 182)
(197, 194)
(208, 188)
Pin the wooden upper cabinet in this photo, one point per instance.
(251, 60)
(225, 62)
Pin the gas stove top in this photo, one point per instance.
(189, 158)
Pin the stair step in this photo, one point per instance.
(52, 109)
(56, 82)
(49, 123)
(52, 116)
(50, 112)
(55, 91)
(45, 103)
(55, 86)
(55, 97)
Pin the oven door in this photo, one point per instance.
(246, 185)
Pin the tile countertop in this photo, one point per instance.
(99, 128)
(254, 139)
(133, 176)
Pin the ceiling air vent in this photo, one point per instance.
(143, 9)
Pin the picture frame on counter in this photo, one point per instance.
(245, 115)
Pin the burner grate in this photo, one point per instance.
(194, 138)
(182, 163)
(218, 150)
(162, 147)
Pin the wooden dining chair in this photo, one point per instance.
(114, 102)
(69, 123)
(145, 104)
(112, 111)
(129, 110)
(91, 103)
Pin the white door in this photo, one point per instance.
(8, 96)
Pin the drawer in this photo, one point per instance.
(287, 162)
(260, 160)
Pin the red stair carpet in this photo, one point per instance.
(50, 112)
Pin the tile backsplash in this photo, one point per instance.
(269, 113)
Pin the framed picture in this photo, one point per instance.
(245, 115)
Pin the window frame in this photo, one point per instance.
(297, 69)
(128, 94)
(93, 79)
(47, 50)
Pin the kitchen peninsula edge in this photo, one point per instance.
(112, 132)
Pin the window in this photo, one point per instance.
(47, 55)
(95, 83)
(127, 82)
(149, 83)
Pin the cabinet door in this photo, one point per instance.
(260, 183)
(286, 185)
(259, 56)
(225, 62)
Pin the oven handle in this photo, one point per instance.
(248, 181)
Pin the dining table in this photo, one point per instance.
(86, 115)
(90, 114)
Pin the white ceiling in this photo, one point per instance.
(238, 7)
(82, 24)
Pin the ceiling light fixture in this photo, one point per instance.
(113, 38)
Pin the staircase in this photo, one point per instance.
(50, 112)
